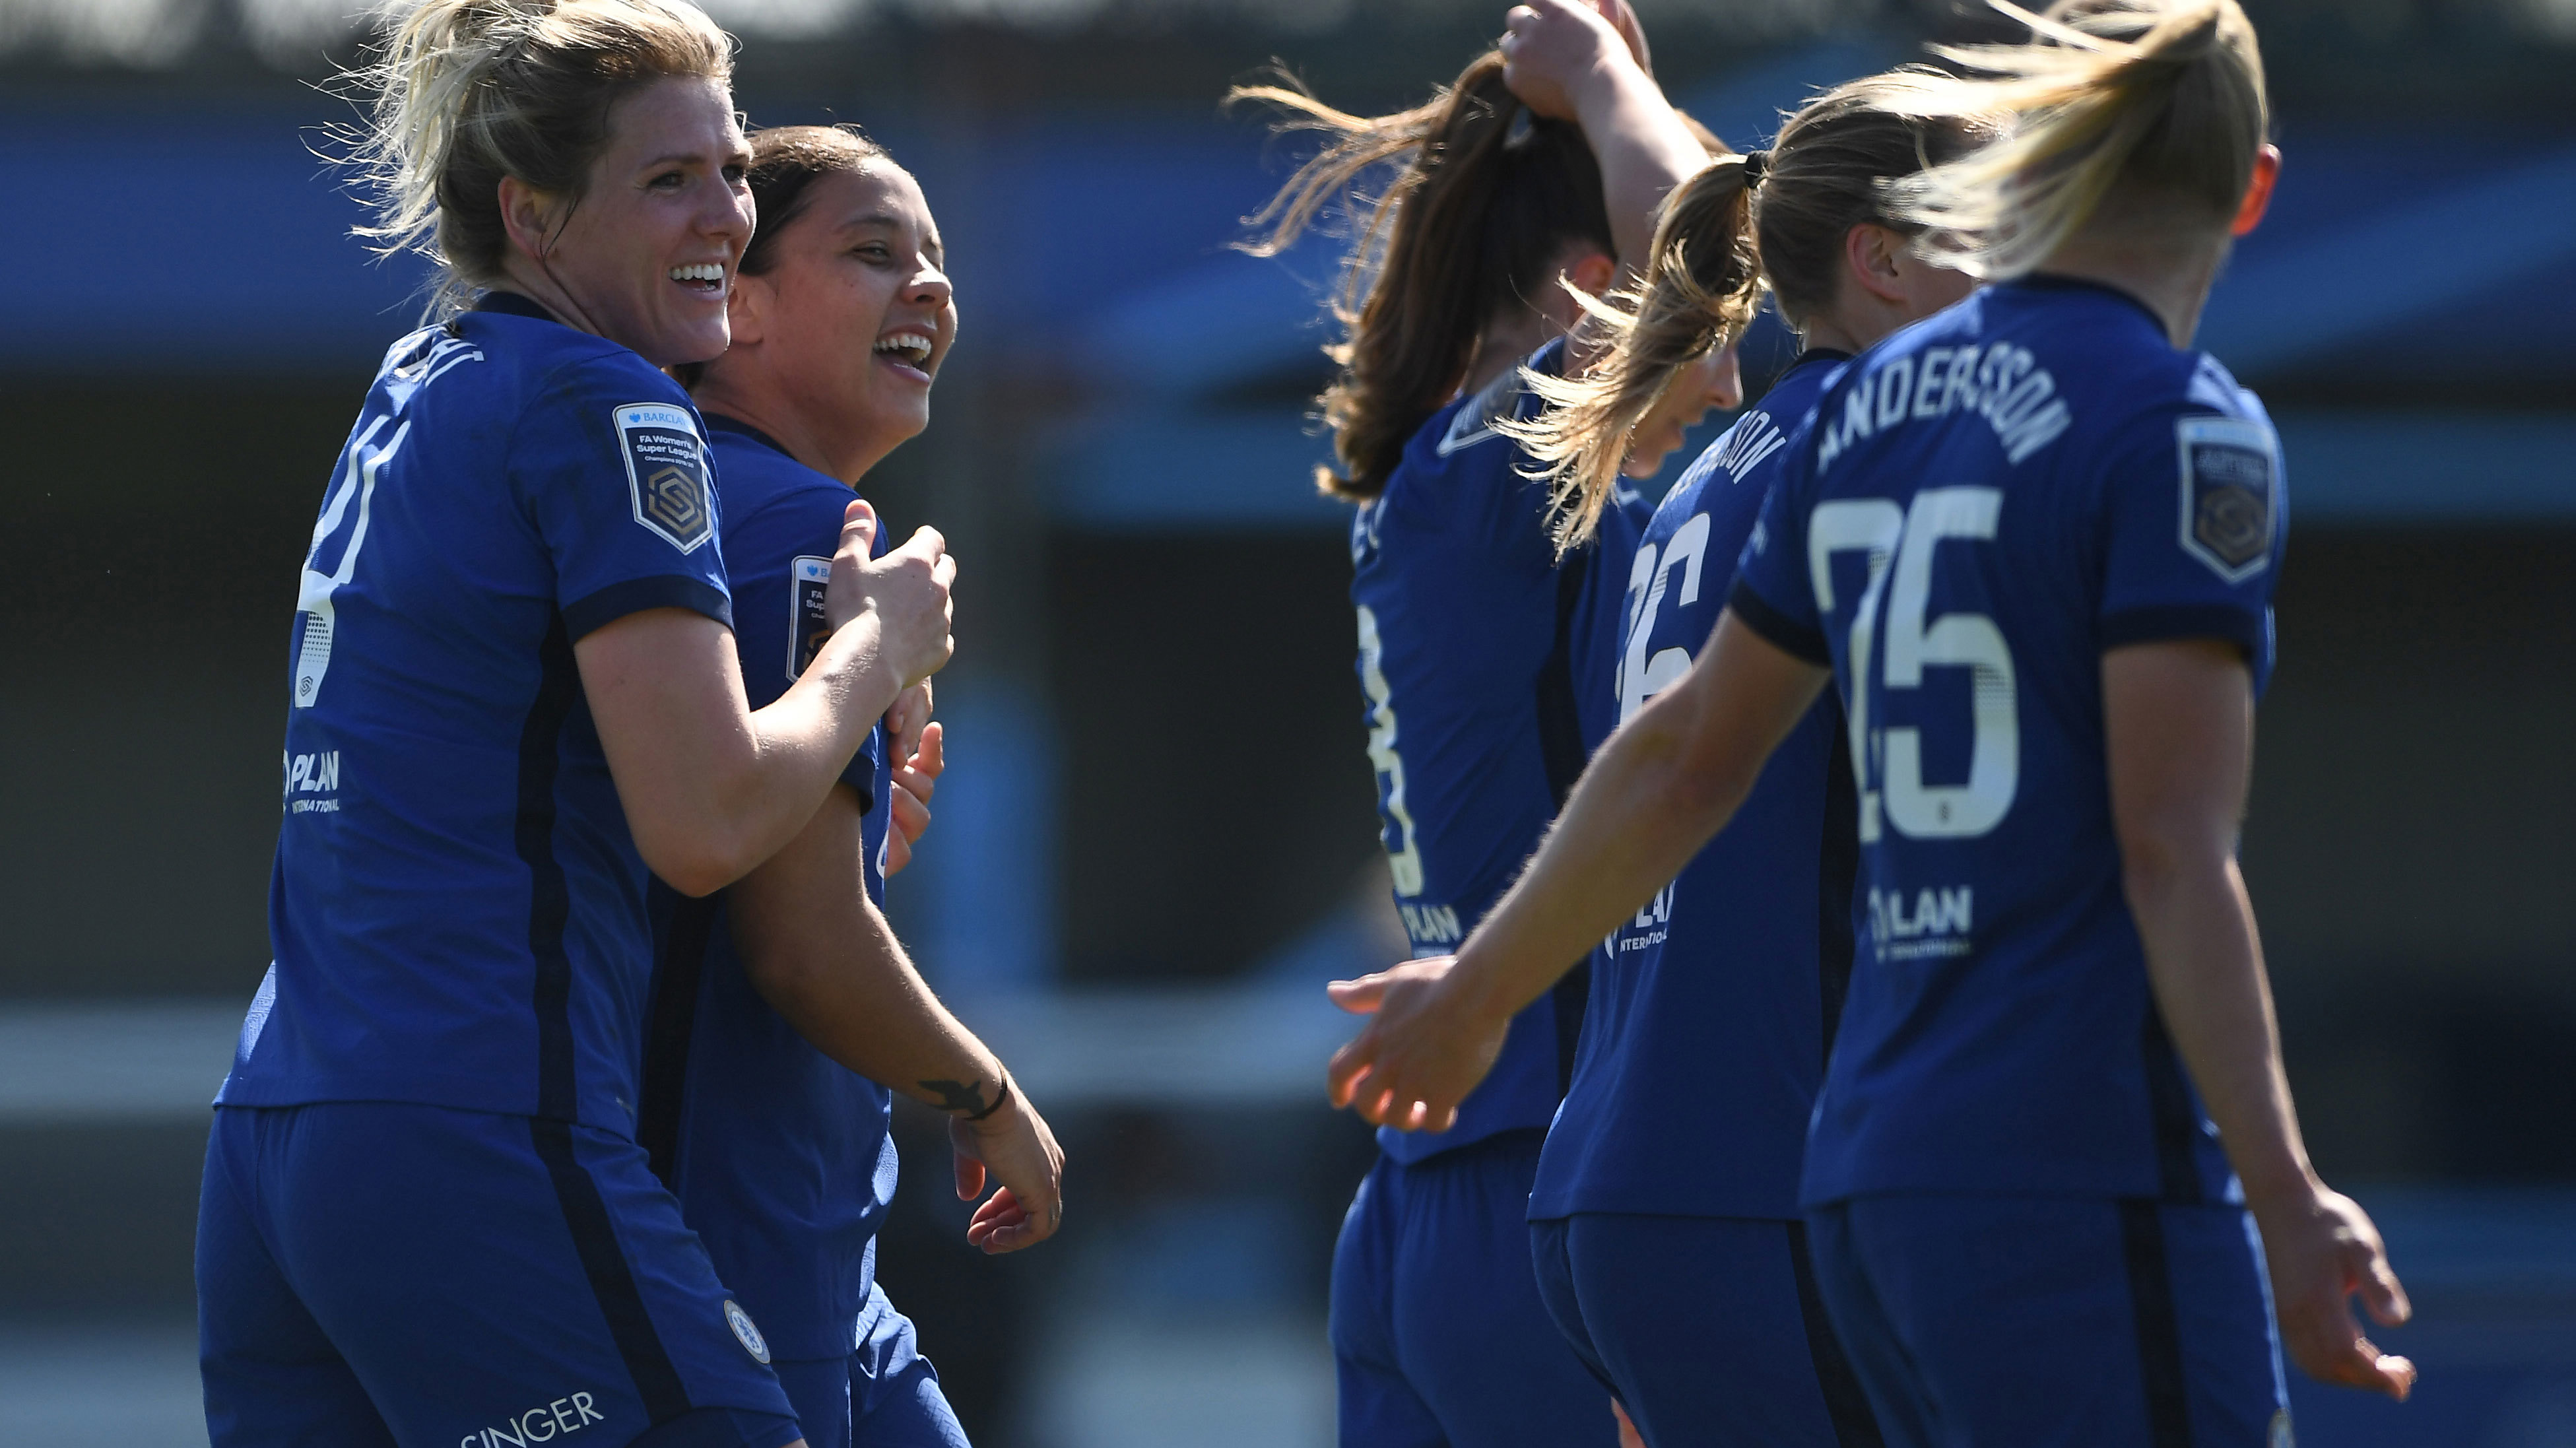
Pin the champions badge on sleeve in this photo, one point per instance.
(666, 470)
(2229, 482)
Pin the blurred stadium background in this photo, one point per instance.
(1157, 838)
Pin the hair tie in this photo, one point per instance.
(1756, 164)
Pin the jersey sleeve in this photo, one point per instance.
(610, 462)
(779, 559)
(1773, 594)
(2191, 524)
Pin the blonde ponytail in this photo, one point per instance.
(1721, 237)
(469, 91)
(2162, 98)
(1702, 284)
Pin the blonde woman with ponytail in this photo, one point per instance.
(1533, 178)
(2031, 541)
(513, 693)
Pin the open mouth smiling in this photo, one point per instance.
(908, 348)
(707, 278)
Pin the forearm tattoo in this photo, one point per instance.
(966, 1097)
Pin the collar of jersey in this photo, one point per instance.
(2047, 282)
(512, 304)
(718, 422)
(1815, 354)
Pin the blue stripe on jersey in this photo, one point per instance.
(1712, 1009)
(457, 907)
(1976, 510)
(779, 1155)
(549, 897)
(1456, 585)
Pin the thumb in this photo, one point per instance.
(859, 518)
(1360, 997)
(2382, 1295)
(970, 1177)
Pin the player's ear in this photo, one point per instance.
(1593, 272)
(527, 214)
(2258, 193)
(1870, 253)
(747, 306)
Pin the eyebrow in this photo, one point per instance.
(689, 158)
(929, 243)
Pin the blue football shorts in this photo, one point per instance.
(1439, 1337)
(1708, 1329)
(2055, 1322)
(373, 1273)
(884, 1395)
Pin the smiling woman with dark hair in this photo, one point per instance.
(784, 1001)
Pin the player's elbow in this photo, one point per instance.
(692, 877)
(696, 863)
(1695, 774)
(1702, 794)
(2161, 858)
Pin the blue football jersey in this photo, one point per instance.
(780, 1155)
(1485, 690)
(1975, 512)
(457, 907)
(1711, 1010)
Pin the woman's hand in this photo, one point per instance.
(914, 781)
(1014, 1147)
(1426, 1047)
(1552, 49)
(2322, 1249)
(907, 590)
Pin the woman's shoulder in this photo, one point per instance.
(758, 479)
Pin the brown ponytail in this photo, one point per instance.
(1488, 198)
(1718, 239)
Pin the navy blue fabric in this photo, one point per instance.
(1439, 1337)
(457, 907)
(1707, 1328)
(1978, 508)
(338, 1304)
(780, 1155)
(2054, 1322)
(884, 1395)
(1711, 1009)
(1455, 581)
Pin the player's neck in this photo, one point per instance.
(821, 447)
(2171, 275)
(1513, 333)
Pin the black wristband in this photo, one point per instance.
(998, 1101)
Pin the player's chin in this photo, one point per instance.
(900, 413)
(1646, 457)
(700, 338)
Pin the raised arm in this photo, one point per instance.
(818, 950)
(1566, 59)
(2179, 719)
(712, 788)
(1660, 788)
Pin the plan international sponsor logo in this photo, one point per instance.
(1936, 927)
